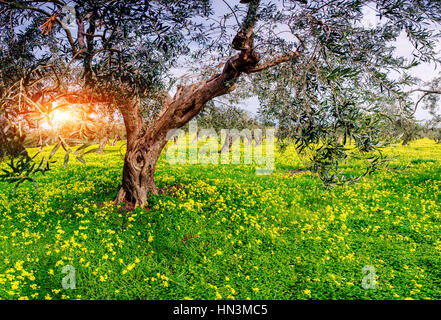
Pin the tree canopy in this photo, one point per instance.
(322, 75)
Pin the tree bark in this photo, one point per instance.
(145, 143)
(138, 180)
(113, 142)
(229, 140)
(406, 140)
(102, 144)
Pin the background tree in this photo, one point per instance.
(227, 116)
(430, 96)
(408, 129)
(428, 99)
(316, 68)
(433, 129)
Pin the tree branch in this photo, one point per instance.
(189, 100)
(274, 62)
(15, 5)
(425, 93)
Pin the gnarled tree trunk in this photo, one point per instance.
(138, 180)
(145, 143)
(102, 144)
(229, 140)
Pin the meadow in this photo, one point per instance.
(226, 233)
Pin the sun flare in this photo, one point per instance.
(60, 117)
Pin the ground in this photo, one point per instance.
(226, 233)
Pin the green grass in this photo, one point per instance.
(227, 234)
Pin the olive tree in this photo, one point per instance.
(315, 66)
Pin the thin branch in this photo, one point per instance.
(425, 93)
(232, 11)
(273, 62)
(15, 5)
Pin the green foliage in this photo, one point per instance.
(23, 168)
(334, 92)
(40, 72)
(225, 117)
(226, 233)
(341, 88)
(11, 141)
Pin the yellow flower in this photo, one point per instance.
(307, 292)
